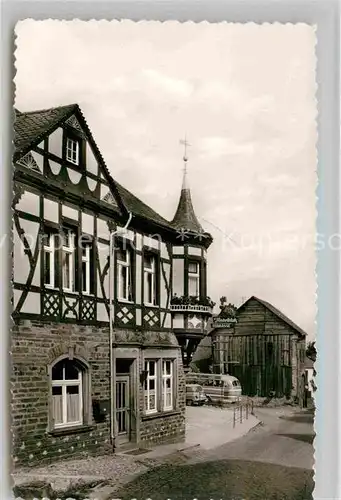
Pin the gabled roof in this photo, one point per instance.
(32, 127)
(136, 206)
(277, 313)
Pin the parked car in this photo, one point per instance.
(218, 388)
(195, 395)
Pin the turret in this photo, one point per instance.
(191, 307)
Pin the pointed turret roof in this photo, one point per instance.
(185, 218)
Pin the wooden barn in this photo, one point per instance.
(261, 346)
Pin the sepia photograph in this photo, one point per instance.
(164, 260)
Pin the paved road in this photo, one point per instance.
(273, 461)
(285, 438)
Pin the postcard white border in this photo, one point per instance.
(323, 13)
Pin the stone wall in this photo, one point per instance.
(34, 347)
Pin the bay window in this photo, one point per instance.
(193, 279)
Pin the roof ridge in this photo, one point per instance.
(45, 110)
(278, 313)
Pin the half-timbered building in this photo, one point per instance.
(109, 299)
(260, 346)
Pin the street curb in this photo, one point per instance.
(190, 447)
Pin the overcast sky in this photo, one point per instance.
(245, 97)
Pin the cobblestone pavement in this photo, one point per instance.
(273, 461)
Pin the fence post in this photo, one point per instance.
(234, 417)
(241, 413)
(247, 410)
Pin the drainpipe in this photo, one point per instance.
(112, 350)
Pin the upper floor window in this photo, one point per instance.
(49, 255)
(67, 394)
(193, 279)
(151, 277)
(87, 267)
(68, 260)
(72, 151)
(124, 271)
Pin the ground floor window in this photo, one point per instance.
(159, 385)
(67, 381)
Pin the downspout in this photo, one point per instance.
(112, 350)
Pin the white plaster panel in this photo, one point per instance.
(168, 321)
(178, 277)
(39, 159)
(178, 250)
(104, 190)
(138, 317)
(102, 229)
(56, 142)
(16, 297)
(102, 314)
(91, 183)
(74, 176)
(138, 279)
(164, 250)
(91, 162)
(99, 289)
(29, 203)
(41, 145)
(36, 275)
(87, 223)
(21, 265)
(51, 210)
(151, 242)
(55, 167)
(31, 304)
(139, 241)
(194, 251)
(178, 321)
(31, 229)
(164, 284)
(69, 212)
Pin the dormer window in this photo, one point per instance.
(72, 151)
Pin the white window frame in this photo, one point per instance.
(195, 276)
(64, 384)
(150, 271)
(70, 250)
(126, 266)
(165, 377)
(148, 410)
(86, 259)
(50, 249)
(72, 151)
